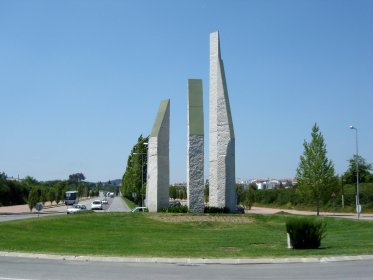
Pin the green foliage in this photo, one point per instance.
(177, 192)
(216, 210)
(294, 198)
(12, 192)
(51, 195)
(176, 209)
(30, 181)
(305, 233)
(43, 194)
(248, 198)
(76, 177)
(134, 178)
(364, 169)
(34, 197)
(315, 173)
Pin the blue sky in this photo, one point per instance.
(81, 80)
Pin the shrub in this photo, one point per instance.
(305, 233)
(176, 209)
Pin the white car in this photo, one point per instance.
(104, 201)
(96, 205)
(76, 208)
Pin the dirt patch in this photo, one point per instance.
(187, 218)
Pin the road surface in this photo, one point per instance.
(18, 212)
(14, 268)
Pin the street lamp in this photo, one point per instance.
(142, 170)
(358, 207)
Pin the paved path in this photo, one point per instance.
(268, 211)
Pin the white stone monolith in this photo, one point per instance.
(195, 148)
(222, 192)
(158, 172)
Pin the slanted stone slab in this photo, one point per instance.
(222, 192)
(158, 173)
(195, 147)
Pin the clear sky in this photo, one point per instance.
(81, 80)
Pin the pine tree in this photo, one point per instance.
(315, 173)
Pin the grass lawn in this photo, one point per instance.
(143, 234)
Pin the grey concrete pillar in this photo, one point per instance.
(195, 148)
(222, 191)
(158, 173)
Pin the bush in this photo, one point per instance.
(176, 209)
(216, 210)
(305, 233)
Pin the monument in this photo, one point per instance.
(195, 148)
(222, 192)
(158, 172)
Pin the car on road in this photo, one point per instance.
(104, 201)
(76, 208)
(140, 209)
(96, 205)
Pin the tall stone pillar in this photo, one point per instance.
(222, 192)
(158, 173)
(195, 148)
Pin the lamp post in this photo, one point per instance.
(142, 171)
(358, 207)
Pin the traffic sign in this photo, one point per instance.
(39, 207)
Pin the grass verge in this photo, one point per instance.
(140, 234)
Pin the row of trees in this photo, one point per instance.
(54, 191)
(134, 178)
(30, 191)
(12, 192)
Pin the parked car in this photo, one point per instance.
(96, 205)
(76, 208)
(140, 209)
(174, 203)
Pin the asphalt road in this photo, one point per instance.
(116, 204)
(14, 268)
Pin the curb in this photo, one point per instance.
(189, 261)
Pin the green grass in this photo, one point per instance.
(129, 234)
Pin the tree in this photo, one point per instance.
(248, 198)
(43, 195)
(172, 192)
(30, 181)
(77, 177)
(51, 195)
(134, 178)
(364, 171)
(34, 197)
(315, 173)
